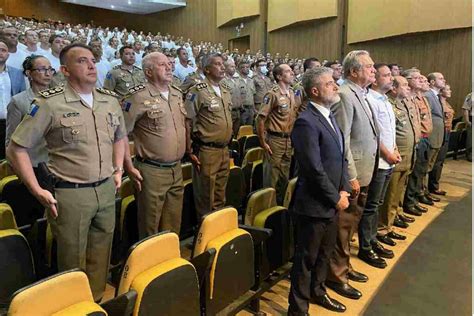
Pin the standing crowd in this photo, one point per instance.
(368, 139)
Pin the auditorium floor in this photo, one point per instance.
(456, 180)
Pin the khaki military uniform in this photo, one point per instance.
(191, 80)
(247, 92)
(263, 84)
(232, 85)
(212, 132)
(159, 133)
(300, 95)
(176, 81)
(416, 181)
(406, 142)
(121, 80)
(80, 146)
(279, 112)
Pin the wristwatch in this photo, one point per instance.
(118, 169)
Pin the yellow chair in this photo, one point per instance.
(7, 219)
(244, 130)
(187, 170)
(6, 180)
(252, 155)
(165, 283)
(126, 189)
(63, 294)
(290, 190)
(5, 169)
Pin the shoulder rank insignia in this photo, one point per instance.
(276, 88)
(201, 85)
(51, 92)
(117, 67)
(177, 88)
(225, 85)
(136, 89)
(105, 91)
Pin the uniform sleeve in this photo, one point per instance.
(131, 113)
(187, 83)
(269, 100)
(109, 82)
(191, 103)
(120, 131)
(34, 126)
(14, 116)
(467, 103)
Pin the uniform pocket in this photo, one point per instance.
(113, 122)
(155, 118)
(73, 130)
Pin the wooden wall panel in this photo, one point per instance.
(447, 51)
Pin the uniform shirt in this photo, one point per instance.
(182, 72)
(247, 90)
(232, 84)
(448, 115)
(18, 108)
(157, 123)
(5, 92)
(262, 85)
(211, 114)
(425, 115)
(279, 111)
(79, 138)
(121, 80)
(414, 117)
(191, 80)
(405, 133)
(467, 105)
(385, 118)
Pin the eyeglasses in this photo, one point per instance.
(45, 70)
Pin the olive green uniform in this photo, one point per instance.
(232, 85)
(191, 80)
(80, 147)
(212, 132)
(247, 92)
(121, 80)
(263, 84)
(176, 81)
(159, 134)
(279, 112)
(406, 141)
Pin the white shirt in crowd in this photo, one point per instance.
(16, 59)
(88, 98)
(103, 67)
(325, 112)
(5, 93)
(182, 72)
(55, 63)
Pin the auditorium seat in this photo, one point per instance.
(248, 142)
(7, 219)
(252, 155)
(262, 211)
(189, 217)
(235, 189)
(232, 272)
(290, 190)
(5, 169)
(244, 130)
(187, 171)
(165, 283)
(252, 168)
(64, 294)
(126, 189)
(128, 225)
(4, 181)
(16, 265)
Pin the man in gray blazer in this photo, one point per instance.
(437, 138)
(354, 116)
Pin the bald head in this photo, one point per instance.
(157, 68)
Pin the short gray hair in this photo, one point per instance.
(311, 78)
(351, 61)
(207, 59)
(408, 73)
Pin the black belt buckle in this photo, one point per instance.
(71, 185)
(279, 134)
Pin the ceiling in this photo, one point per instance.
(132, 6)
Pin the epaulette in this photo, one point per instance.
(275, 88)
(177, 88)
(51, 92)
(201, 85)
(226, 86)
(105, 91)
(117, 67)
(136, 89)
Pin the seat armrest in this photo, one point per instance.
(203, 263)
(122, 305)
(258, 234)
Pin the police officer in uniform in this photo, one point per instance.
(208, 107)
(262, 83)
(84, 130)
(274, 125)
(231, 83)
(154, 113)
(247, 91)
(194, 78)
(125, 76)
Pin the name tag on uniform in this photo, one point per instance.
(214, 103)
(71, 114)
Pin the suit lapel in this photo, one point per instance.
(361, 101)
(323, 121)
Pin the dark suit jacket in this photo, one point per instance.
(17, 80)
(322, 167)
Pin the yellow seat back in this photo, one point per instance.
(245, 130)
(252, 155)
(7, 219)
(259, 201)
(290, 189)
(126, 189)
(5, 169)
(6, 180)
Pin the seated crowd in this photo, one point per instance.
(75, 96)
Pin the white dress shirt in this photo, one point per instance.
(325, 112)
(5, 93)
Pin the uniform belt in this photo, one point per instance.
(211, 144)
(71, 185)
(279, 134)
(157, 163)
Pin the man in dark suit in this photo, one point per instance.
(321, 192)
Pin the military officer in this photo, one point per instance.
(154, 113)
(208, 107)
(274, 125)
(194, 78)
(84, 130)
(247, 91)
(231, 83)
(125, 76)
(262, 83)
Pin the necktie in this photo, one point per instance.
(336, 130)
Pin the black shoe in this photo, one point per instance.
(432, 198)
(387, 240)
(344, 289)
(329, 303)
(421, 208)
(357, 276)
(371, 258)
(381, 251)
(424, 200)
(394, 235)
(438, 192)
(291, 313)
(399, 223)
(412, 211)
(407, 219)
